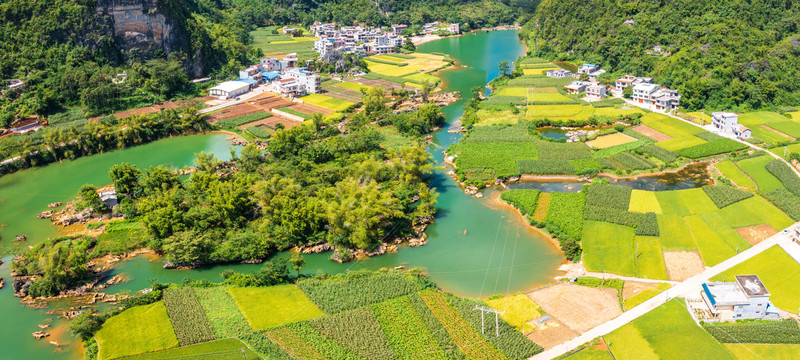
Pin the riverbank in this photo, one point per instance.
(422, 39)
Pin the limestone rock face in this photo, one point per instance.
(142, 27)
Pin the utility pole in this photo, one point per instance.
(636, 261)
(496, 321)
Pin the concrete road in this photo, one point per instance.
(691, 285)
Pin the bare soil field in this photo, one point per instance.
(652, 133)
(756, 234)
(550, 333)
(310, 109)
(155, 108)
(232, 112)
(631, 288)
(269, 101)
(682, 265)
(578, 307)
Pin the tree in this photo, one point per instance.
(409, 45)
(85, 325)
(206, 162)
(503, 67)
(89, 199)
(627, 92)
(187, 248)
(427, 87)
(250, 157)
(373, 102)
(159, 178)
(297, 262)
(125, 177)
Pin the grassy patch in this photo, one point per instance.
(608, 247)
(273, 306)
(226, 349)
(680, 143)
(281, 44)
(135, 331)
(777, 270)
(755, 211)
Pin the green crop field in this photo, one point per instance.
(610, 111)
(754, 120)
(667, 125)
(226, 349)
(501, 157)
(675, 233)
(505, 117)
(755, 167)
(713, 249)
(137, 330)
(644, 202)
(649, 260)
(223, 312)
(608, 247)
(780, 151)
(541, 71)
(755, 211)
(280, 44)
(326, 102)
(270, 307)
(422, 78)
(668, 332)
(645, 295)
(685, 202)
(790, 128)
(732, 172)
(763, 351)
(560, 112)
(352, 86)
(680, 143)
(779, 273)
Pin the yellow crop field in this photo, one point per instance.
(602, 142)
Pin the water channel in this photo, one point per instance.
(476, 246)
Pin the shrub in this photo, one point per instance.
(523, 199)
(545, 167)
(788, 178)
(610, 196)
(784, 331)
(723, 196)
(786, 201)
(359, 288)
(710, 148)
(648, 226)
(187, 316)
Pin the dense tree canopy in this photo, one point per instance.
(738, 54)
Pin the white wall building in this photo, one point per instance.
(728, 123)
(229, 89)
(745, 298)
(596, 91)
(558, 73)
(312, 83)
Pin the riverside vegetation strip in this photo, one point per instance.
(417, 321)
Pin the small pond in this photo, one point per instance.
(554, 133)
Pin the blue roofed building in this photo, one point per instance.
(745, 298)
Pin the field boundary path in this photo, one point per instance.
(629, 278)
(690, 284)
(630, 102)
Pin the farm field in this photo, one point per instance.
(763, 351)
(269, 307)
(539, 71)
(279, 45)
(608, 247)
(780, 151)
(560, 112)
(668, 332)
(226, 349)
(732, 172)
(602, 142)
(326, 102)
(411, 69)
(579, 307)
(135, 331)
(518, 308)
(755, 120)
(645, 295)
(755, 167)
(681, 133)
(777, 270)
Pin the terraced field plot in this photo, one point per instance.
(327, 102)
(609, 247)
(226, 349)
(279, 45)
(415, 68)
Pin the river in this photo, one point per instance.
(476, 247)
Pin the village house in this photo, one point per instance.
(728, 123)
(558, 73)
(454, 28)
(288, 30)
(630, 80)
(576, 87)
(588, 69)
(289, 87)
(643, 93)
(666, 100)
(356, 39)
(745, 298)
(312, 83)
(596, 91)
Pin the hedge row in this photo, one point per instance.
(784, 331)
(644, 224)
(723, 195)
(787, 177)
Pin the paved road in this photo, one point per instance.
(627, 278)
(690, 285)
(643, 106)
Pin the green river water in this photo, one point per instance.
(476, 247)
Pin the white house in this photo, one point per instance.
(588, 69)
(454, 28)
(745, 298)
(576, 87)
(229, 89)
(558, 73)
(311, 82)
(728, 123)
(643, 93)
(630, 80)
(596, 91)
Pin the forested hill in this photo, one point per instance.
(722, 54)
